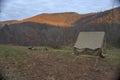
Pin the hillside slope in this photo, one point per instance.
(108, 21)
(61, 28)
(66, 19)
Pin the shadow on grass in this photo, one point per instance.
(2, 76)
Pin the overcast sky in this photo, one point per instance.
(20, 9)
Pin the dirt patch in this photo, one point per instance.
(48, 66)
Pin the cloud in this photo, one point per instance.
(116, 2)
(1, 4)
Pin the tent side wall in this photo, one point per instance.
(90, 41)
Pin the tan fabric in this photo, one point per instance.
(91, 40)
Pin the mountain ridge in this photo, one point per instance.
(61, 28)
(66, 19)
(56, 19)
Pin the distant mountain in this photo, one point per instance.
(109, 17)
(60, 28)
(66, 19)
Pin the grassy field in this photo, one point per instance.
(19, 63)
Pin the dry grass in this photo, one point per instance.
(56, 65)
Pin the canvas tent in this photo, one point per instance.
(93, 41)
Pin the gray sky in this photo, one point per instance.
(20, 9)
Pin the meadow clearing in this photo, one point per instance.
(20, 63)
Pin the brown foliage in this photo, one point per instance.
(53, 31)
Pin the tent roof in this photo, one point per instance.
(91, 40)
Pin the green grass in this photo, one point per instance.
(113, 56)
(10, 53)
(13, 53)
(114, 52)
